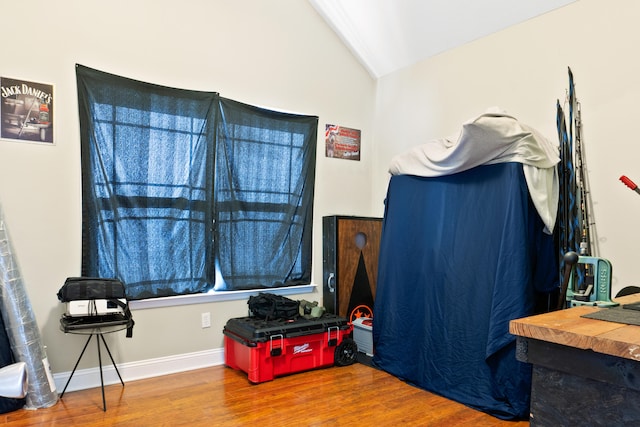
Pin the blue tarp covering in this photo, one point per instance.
(460, 256)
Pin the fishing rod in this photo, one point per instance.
(584, 272)
(563, 172)
(576, 226)
(585, 247)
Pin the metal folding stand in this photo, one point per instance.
(97, 331)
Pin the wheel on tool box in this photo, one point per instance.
(346, 353)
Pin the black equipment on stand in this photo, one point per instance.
(95, 307)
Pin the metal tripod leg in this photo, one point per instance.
(99, 336)
(112, 361)
(104, 402)
(75, 367)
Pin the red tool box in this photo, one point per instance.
(268, 349)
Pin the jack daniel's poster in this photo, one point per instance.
(26, 111)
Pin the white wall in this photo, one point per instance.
(523, 69)
(277, 54)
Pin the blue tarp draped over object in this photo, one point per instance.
(461, 255)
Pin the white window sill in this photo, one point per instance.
(216, 296)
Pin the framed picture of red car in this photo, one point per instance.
(26, 111)
(342, 142)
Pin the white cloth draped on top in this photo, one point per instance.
(492, 137)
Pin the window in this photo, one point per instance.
(186, 191)
(265, 173)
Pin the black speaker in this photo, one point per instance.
(351, 247)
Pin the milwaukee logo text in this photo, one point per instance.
(302, 349)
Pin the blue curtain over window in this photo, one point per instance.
(147, 183)
(265, 173)
(166, 217)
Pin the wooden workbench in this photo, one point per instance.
(586, 372)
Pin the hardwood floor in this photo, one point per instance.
(356, 395)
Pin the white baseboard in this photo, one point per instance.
(90, 378)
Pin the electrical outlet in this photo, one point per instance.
(206, 320)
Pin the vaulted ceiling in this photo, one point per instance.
(388, 35)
